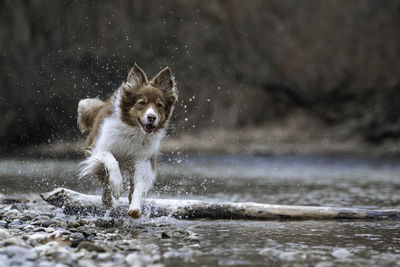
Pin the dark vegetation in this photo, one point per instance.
(238, 63)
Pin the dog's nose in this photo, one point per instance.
(151, 118)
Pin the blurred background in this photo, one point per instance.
(267, 77)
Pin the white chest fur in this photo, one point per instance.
(126, 142)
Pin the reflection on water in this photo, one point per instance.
(258, 243)
(283, 180)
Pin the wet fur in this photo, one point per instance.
(118, 146)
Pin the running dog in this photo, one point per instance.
(125, 133)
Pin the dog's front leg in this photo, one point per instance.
(143, 180)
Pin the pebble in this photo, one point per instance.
(90, 246)
(109, 223)
(75, 238)
(19, 252)
(270, 252)
(11, 213)
(50, 230)
(104, 256)
(341, 253)
(26, 218)
(4, 234)
(37, 238)
(134, 259)
(43, 218)
(81, 222)
(86, 263)
(292, 256)
(13, 241)
(15, 223)
(62, 255)
(73, 224)
(28, 228)
(177, 233)
(325, 264)
(46, 223)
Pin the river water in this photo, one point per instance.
(291, 180)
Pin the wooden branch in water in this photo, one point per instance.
(74, 202)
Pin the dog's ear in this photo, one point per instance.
(164, 80)
(136, 77)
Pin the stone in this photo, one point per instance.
(21, 262)
(165, 235)
(37, 238)
(270, 252)
(50, 230)
(45, 264)
(11, 213)
(325, 264)
(134, 259)
(118, 258)
(4, 234)
(81, 222)
(26, 218)
(14, 242)
(15, 223)
(104, 256)
(28, 228)
(90, 246)
(85, 262)
(19, 252)
(292, 256)
(73, 224)
(104, 223)
(43, 217)
(46, 223)
(62, 255)
(341, 253)
(47, 249)
(76, 239)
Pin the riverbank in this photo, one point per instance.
(293, 137)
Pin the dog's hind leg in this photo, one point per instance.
(106, 168)
(131, 189)
(127, 174)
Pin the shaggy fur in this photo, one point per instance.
(125, 133)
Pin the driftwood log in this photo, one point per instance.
(73, 202)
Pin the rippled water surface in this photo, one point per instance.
(322, 181)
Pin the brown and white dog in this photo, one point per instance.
(125, 135)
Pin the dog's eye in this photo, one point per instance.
(160, 105)
(141, 102)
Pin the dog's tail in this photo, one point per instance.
(87, 112)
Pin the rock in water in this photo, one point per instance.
(341, 253)
(292, 256)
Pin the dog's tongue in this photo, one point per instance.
(148, 128)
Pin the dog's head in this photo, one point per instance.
(148, 104)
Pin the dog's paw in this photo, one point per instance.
(134, 213)
(116, 186)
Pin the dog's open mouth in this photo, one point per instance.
(148, 128)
